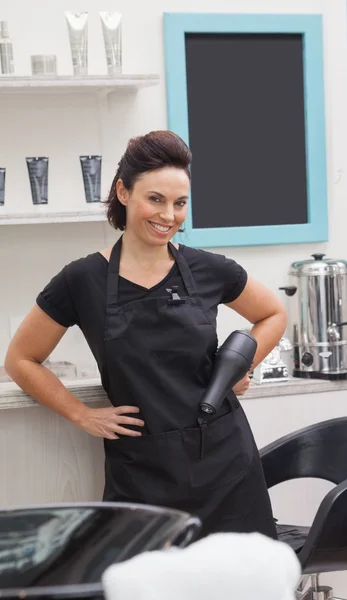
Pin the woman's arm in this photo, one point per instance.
(33, 342)
(263, 309)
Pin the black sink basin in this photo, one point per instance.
(60, 551)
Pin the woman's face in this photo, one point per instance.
(157, 205)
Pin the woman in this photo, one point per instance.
(156, 357)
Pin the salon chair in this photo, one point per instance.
(60, 551)
(318, 451)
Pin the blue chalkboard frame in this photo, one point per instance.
(176, 25)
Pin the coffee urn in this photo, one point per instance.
(317, 309)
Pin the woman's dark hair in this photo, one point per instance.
(145, 153)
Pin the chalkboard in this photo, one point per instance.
(246, 92)
(246, 129)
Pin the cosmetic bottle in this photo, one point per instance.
(6, 50)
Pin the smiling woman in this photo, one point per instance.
(148, 309)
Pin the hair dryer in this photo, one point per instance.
(233, 360)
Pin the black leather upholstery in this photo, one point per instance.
(294, 535)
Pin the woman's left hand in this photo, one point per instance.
(242, 386)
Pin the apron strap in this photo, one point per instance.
(113, 275)
(184, 270)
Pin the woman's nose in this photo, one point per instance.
(167, 214)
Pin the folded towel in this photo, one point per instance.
(230, 566)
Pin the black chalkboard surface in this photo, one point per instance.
(246, 129)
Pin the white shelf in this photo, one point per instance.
(67, 84)
(51, 217)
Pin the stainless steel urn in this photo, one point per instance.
(318, 317)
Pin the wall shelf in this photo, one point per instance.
(102, 86)
(67, 84)
(34, 218)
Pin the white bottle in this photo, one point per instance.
(6, 51)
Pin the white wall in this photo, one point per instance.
(64, 127)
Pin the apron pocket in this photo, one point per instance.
(151, 469)
(219, 452)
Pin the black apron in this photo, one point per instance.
(159, 355)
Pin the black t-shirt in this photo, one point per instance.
(77, 295)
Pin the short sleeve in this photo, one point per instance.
(235, 279)
(55, 300)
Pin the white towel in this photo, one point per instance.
(222, 566)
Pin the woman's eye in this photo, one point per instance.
(181, 203)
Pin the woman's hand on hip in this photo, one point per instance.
(110, 422)
(242, 386)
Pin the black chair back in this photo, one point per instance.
(325, 548)
(318, 451)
